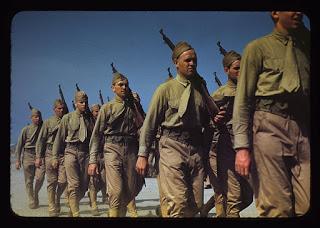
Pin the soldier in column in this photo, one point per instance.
(26, 154)
(271, 117)
(73, 138)
(117, 124)
(56, 178)
(179, 107)
(97, 182)
(235, 190)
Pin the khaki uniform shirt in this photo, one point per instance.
(27, 139)
(115, 118)
(163, 111)
(68, 131)
(261, 70)
(47, 135)
(224, 96)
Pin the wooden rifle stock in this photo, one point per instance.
(212, 107)
(138, 111)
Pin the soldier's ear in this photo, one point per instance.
(113, 88)
(226, 69)
(175, 62)
(275, 16)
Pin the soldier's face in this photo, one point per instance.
(36, 119)
(186, 64)
(233, 71)
(82, 105)
(95, 112)
(59, 110)
(287, 19)
(120, 88)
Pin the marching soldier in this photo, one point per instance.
(56, 178)
(272, 102)
(179, 108)
(233, 192)
(73, 138)
(26, 148)
(117, 124)
(97, 182)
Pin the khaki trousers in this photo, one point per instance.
(235, 188)
(181, 172)
(76, 164)
(281, 166)
(98, 182)
(123, 182)
(55, 177)
(220, 198)
(32, 174)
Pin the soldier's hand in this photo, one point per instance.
(93, 169)
(242, 162)
(38, 162)
(142, 165)
(54, 163)
(220, 117)
(136, 97)
(18, 164)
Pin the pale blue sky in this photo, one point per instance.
(68, 47)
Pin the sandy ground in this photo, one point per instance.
(146, 201)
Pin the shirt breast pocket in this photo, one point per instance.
(74, 124)
(174, 104)
(274, 65)
(273, 73)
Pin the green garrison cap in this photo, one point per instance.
(118, 77)
(35, 112)
(80, 96)
(57, 102)
(95, 106)
(230, 57)
(180, 47)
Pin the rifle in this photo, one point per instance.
(212, 107)
(170, 75)
(221, 49)
(66, 110)
(73, 105)
(137, 108)
(167, 40)
(101, 98)
(30, 107)
(217, 79)
(77, 87)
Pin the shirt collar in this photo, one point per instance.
(118, 99)
(57, 117)
(230, 83)
(77, 111)
(283, 38)
(183, 81)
